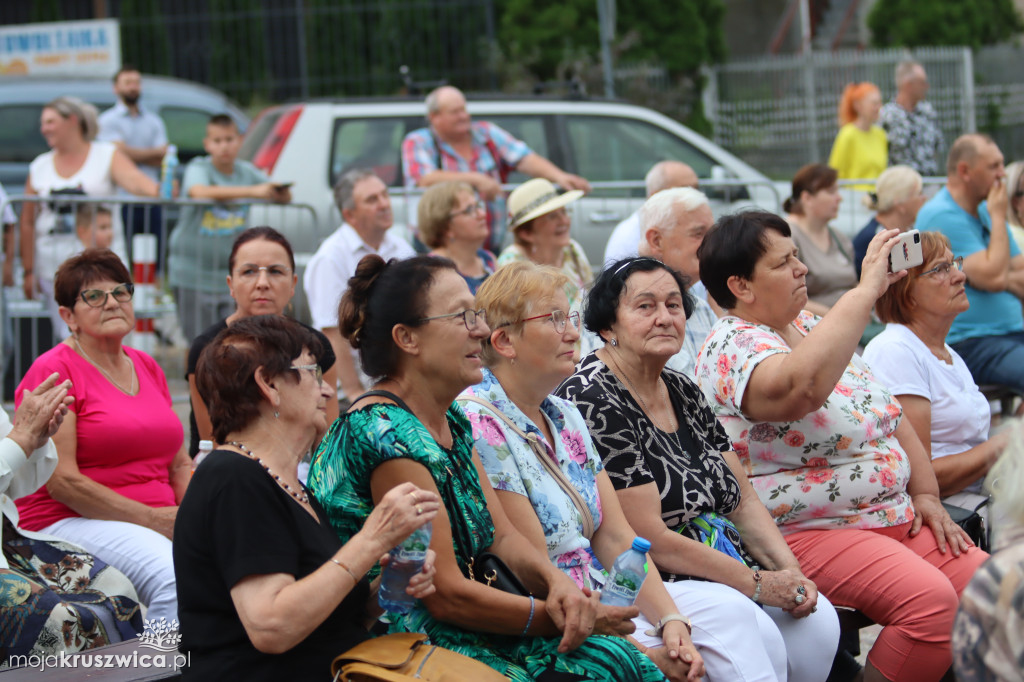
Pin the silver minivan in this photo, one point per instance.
(612, 144)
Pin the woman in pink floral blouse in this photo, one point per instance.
(825, 446)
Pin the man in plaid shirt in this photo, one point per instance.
(481, 154)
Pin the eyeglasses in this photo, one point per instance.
(97, 298)
(318, 373)
(943, 269)
(559, 319)
(470, 318)
(275, 273)
(469, 210)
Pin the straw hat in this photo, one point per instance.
(533, 199)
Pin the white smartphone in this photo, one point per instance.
(906, 253)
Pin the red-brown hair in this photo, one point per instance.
(897, 301)
(854, 93)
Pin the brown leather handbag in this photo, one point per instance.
(408, 656)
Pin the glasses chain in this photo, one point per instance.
(300, 496)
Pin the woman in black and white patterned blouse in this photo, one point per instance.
(670, 462)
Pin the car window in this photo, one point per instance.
(20, 140)
(610, 149)
(529, 129)
(372, 143)
(186, 128)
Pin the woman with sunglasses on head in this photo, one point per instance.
(122, 468)
(77, 165)
(453, 223)
(939, 397)
(261, 279)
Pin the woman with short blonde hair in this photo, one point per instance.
(898, 196)
(453, 223)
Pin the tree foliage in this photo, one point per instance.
(144, 40)
(682, 34)
(912, 23)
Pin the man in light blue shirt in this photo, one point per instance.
(673, 223)
(971, 211)
(142, 136)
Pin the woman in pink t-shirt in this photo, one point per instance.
(122, 466)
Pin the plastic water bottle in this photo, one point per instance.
(406, 560)
(167, 170)
(205, 448)
(627, 575)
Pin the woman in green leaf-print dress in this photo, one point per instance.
(414, 325)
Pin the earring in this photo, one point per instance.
(615, 341)
(277, 415)
(512, 361)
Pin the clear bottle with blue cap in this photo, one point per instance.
(627, 575)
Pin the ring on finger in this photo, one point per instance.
(799, 599)
(415, 500)
(419, 510)
(801, 590)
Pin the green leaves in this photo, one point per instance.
(910, 23)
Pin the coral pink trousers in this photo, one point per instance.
(901, 582)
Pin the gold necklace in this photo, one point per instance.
(643, 403)
(131, 367)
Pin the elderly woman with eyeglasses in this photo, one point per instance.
(122, 468)
(261, 279)
(75, 165)
(938, 395)
(453, 223)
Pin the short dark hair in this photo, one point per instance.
(812, 178)
(732, 247)
(381, 295)
(126, 68)
(602, 307)
(226, 371)
(267, 234)
(89, 266)
(223, 120)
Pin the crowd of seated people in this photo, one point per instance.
(782, 476)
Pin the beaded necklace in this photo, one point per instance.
(300, 496)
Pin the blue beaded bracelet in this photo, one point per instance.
(529, 621)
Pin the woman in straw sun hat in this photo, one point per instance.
(540, 227)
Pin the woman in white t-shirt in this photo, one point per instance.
(932, 383)
(75, 165)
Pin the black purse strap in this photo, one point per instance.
(384, 394)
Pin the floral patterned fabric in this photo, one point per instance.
(340, 479)
(838, 467)
(687, 466)
(57, 598)
(512, 465)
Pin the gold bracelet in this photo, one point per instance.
(335, 561)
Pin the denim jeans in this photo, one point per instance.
(995, 359)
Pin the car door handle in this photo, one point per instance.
(605, 217)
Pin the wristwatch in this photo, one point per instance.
(657, 630)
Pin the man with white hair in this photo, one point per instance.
(911, 123)
(674, 222)
(627, 234)
(454, 147)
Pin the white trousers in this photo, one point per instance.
(741, 641)
(140, 553)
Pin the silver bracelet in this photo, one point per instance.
(660, 627)
(757, 586)
(529, 621)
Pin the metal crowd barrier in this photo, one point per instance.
(143, 229)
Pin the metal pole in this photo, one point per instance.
(967, 101)
(806, 50)
(805, 26)
(606, 23)
(300, 31)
